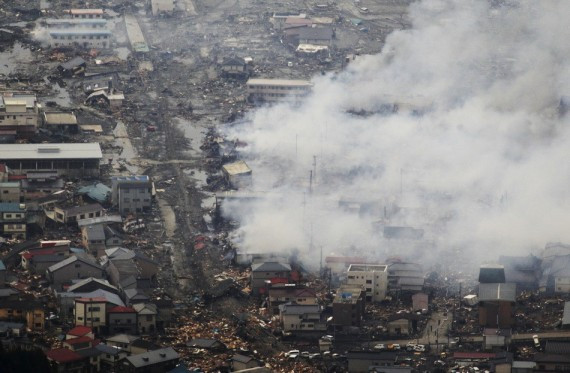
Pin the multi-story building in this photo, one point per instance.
(19, 113)
(13, 219)
(10, 191)
(277, 89)
(86, 13)
(91, 312)
(131, 193)
(87, 32)
(299, 317)
(372, 277)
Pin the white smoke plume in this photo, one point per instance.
(485, 169)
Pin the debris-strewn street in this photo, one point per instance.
(167, 178)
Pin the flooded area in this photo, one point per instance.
(194, 133)
(14, 59)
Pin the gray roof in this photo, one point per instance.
(122, 338)
(497, 291)
(75, 210)
(242, 358)
(84, 258)
(204, 343)
(95, 232)
(100, 220)
(316, 33)
(2, 266)
(270, 267)
(145, 308)
(153, 357)
(74, 62)
(299, 309)
(111, 350)
(99, 293)
(85, 281)
(50, 258)
(51, 151)
(131, 293)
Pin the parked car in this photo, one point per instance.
(380, 346)
(293, 354)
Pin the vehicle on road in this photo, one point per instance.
(293, 354)
(380, 346)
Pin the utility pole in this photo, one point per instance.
(315, 166)
(310, 181)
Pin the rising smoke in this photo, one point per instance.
(458, 133)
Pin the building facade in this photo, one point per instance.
(131, 194)
(19, 113)
(272, 90)
(372, 277)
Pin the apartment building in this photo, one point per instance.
(131, 193)
(373, 277)
(271, 90)
(82, 32)
(13, 220)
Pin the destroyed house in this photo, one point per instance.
(349, 306)
(272, 90)
(13, 220)
(71, 160)
(263, 274)
(61, 122)
(241, 362)
(36, 188)
(237, 174)
(19, 113)
(234, 66)
(131, 194)
(161, 360)
(162, 7)
(72, 214)
(207, 344)
(316, 35)
(73, 67)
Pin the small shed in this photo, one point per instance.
(61, 121)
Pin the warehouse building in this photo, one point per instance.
(72, 160)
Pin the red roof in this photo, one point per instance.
(80, 331)
(94, 300)
(83, 339)
(29, 255)
(121, 309)
(63, 355)
(473, 355)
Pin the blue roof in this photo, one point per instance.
(98, 192)
(11, 207)
(131, 178)
(76, 250)
(2, 266)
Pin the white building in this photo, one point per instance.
(79, 32)
(86, 13)
(373, 277)
(19, 113)
(272, 90)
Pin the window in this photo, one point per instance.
(96, 319)
(77, 265)
(368, 281)
(79, 318)
(148, 317)
(94, 309)
(8, 216)
(38, 325)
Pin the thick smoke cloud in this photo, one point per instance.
(484, 169)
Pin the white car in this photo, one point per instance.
(305, 354)
(380, 346)
(420, 348)
(396, 346)
(293, 354)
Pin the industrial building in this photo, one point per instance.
(71, 160)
